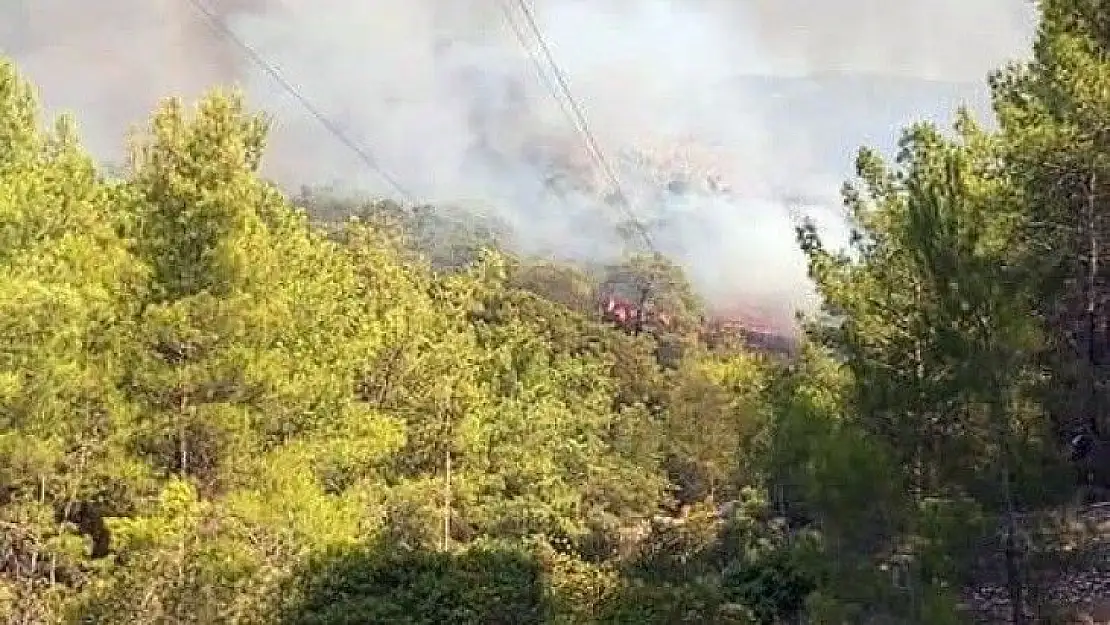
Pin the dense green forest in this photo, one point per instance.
(216, 409)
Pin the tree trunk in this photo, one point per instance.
(1014, 586)
(1011, 548)
(447, 500)
(1092, 296)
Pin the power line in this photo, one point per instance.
(575, 111)
(552, 88)
(366, 157)
(582, 125)
(591, 142)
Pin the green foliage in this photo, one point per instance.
(220, 405)
(764, 566)
(776, 587)
(660, 604)
(486, 584)
(448, 238)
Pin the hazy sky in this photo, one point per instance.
(442, 93)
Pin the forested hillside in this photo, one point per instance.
(216, 407)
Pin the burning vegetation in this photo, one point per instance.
(721, 331)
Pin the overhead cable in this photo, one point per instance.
(579, 117)
(363, 154)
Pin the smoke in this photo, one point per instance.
(681, 94)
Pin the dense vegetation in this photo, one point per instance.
(212, 410)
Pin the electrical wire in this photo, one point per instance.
(582, 126)
(574, 111)
(364, 155)
(552, 88)
(579, 117)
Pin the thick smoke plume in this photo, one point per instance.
(680, 93)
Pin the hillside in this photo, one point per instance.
(223, 404)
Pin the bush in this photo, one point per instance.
(485, 585)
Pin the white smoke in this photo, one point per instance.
(444, 96)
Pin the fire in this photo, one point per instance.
(746, 328)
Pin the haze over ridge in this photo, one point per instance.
(443, 95)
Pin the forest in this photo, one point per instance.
(221, 403)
